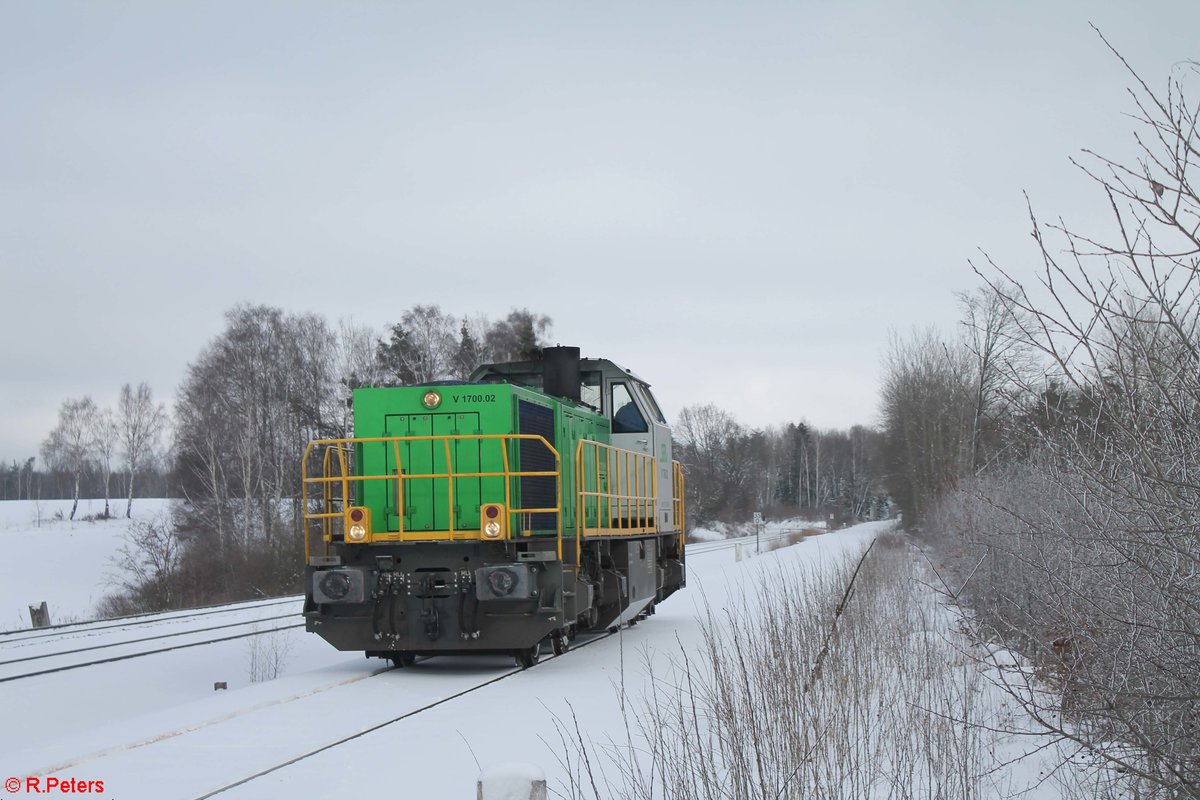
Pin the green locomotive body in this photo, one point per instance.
(537, 500)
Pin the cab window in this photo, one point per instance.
(589, 389)
(626, 418)
(651, 405)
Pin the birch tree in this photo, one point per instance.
(140, 423)
(70, 446)
(104, 443)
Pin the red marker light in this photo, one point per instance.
(356, 515)
(491, 512)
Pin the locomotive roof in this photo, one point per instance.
(517, 369)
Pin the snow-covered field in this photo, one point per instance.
(153, 727)
(720, 531)
(65, 563)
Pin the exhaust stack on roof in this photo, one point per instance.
(560, 372)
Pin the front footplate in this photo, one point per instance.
(491, 608)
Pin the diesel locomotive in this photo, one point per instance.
(496, 515)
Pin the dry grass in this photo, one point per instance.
(844, 683)
(792, 538)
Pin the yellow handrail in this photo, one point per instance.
(677, 481)
(625, 494)
(629, 483)
(327, 481)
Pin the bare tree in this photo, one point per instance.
(356, 355)
(69, 446)
(928, 405)
(28, 472)
(248, 405)
(1088, 546)
(149, 564)
(140, 423)
(420, 346)
(356, 366)
(1003, 364)
(104, 441)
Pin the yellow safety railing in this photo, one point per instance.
(337, 453)
(677, 483)
(623, 492)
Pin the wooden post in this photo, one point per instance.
(40, 615)
(511, 782)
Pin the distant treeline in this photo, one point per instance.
(25, 481)
(791, 470)
(272, 381)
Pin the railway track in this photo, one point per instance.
(143, 653)
(392, 721)
(290, 733)
(69, 629)
(44, 662)
(730, 544)
(73, 647)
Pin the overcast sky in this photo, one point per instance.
(737, 200)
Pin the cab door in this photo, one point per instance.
(660, 443)
(637, 426)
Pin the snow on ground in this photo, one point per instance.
(154, 728)
(718, 531)
(65, 563)
(68, 715)
(99, 723)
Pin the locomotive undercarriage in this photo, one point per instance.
(399, 601)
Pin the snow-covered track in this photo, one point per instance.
(75, 647)
(257, 631)
(392, 721)
(152, 618)
(730, 544)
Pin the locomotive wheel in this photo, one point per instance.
(402, 660)
(561, 642)
(527, 658)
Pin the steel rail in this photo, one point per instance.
(146, 653)
(729, 544)
(146, 639)
(148, 618)
(392, 721)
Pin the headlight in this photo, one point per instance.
(335, 585)
(338, 586)
(358, 524)
(492, 516)
(502, 582)
(505, 582)
(431, 400)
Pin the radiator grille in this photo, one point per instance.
(537, 491)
